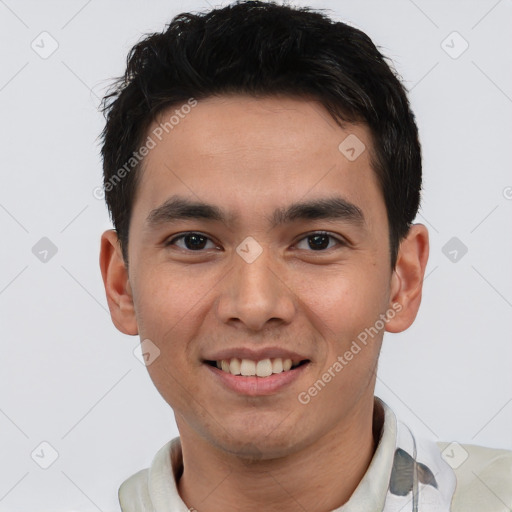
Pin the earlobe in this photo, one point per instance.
(117, 285)
(407, 279)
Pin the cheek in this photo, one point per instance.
(345, 300)
(167, 308)
(347, 312)
(165, 297)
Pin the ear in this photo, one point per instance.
(117, 285)
(407, 278)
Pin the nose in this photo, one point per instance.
(256, 294)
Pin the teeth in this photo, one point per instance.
(234, 366)
(277, 366)
(248, 368)
(264, 368)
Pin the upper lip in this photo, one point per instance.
(256, 354)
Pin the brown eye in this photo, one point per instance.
(317, 242)
(191, 241)
(320, 241)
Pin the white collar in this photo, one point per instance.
(405, 474)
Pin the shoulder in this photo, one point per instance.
(134, 494)
(484, 477)
(155, 488)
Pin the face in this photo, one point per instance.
(285, 256)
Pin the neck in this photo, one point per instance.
(321, 477)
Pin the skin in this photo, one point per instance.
(250, 156)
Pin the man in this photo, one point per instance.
(263, 171)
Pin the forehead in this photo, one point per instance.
(240, 124)
(247, 152)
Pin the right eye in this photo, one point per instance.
(191, 241)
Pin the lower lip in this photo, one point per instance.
(258, 386)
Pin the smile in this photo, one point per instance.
(250, 368)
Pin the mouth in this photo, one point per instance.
(262, 368)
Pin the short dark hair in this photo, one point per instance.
(263, 49)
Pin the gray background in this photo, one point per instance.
(68, 378)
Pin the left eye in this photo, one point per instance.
(320, 241)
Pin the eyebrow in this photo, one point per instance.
(330, 208)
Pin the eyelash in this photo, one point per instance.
(340, 241)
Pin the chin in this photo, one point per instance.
(259, 445)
